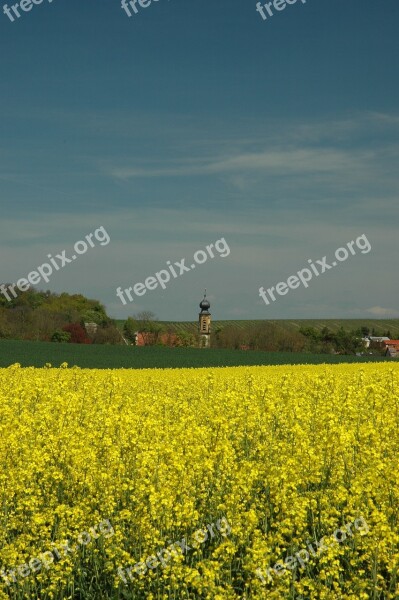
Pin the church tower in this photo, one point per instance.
(204, 323)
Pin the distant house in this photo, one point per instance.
(375, 341)
(91, 328)
(144, 338)
(392, 348)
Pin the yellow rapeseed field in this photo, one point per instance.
(118, 465)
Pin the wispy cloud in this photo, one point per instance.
(299, 160)
(380, 312)
(321, 148)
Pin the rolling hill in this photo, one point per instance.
(379, 325)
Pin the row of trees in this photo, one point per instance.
(265, 336)
(156, 333)
(39, 315)
(366, 331)
(327, 341)
(342, 341)
(275, 338)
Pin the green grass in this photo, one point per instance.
(37, 354)
(380, 325)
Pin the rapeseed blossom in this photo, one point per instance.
(287, 454)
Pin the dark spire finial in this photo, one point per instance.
(204, 304)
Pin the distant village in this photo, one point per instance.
(391, 347)
(65, 318)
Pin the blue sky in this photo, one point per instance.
(193, 121)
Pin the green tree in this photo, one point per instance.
(130, 327)
(147, 322)
(61, 336)
(108, 335)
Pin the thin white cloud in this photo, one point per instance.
(321, 148)
(380, 312)
(278, 162)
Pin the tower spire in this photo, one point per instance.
(204, 322)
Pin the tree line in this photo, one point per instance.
(47, 316)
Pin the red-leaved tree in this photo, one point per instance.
(78, 333)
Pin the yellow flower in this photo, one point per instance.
(125, 464)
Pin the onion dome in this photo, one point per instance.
(204, 304)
